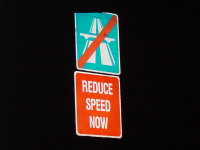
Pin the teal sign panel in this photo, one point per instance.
(106, 56)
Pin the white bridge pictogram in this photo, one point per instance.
(105, 51)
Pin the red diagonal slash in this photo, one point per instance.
(97, 41)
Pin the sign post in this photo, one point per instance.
(98, 105)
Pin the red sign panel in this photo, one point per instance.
(98, 105)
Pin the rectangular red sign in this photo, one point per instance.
(97, 105)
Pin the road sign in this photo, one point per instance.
(97, 42)
(97, 105)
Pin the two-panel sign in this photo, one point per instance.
(97, 96)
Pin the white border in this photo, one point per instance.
(76, 121)
(118, 48)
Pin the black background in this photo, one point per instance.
(158, 44)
